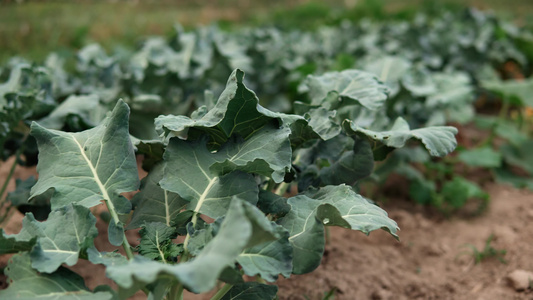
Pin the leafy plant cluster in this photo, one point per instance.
(220, 184)
(236, 187)
(434, 66)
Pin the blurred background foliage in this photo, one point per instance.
(32, 29)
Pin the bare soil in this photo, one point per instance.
(433, 260)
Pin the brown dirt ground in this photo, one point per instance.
(432, 260)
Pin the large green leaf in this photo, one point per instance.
(87, 108)
(331, 206)
(89, 166)
(351, 167)
(251, 291)
(13, 243)
(237, 111)
(106, 258)
(27, 284)
(154, 204)
(187, 173)
(519, 90)
(519, 155)
(38, 206)
(267, 152)
(356, 85)
(481, 157)
(152, 151)
(268, 260)
(438, 140)
(60, 239)
(323, 122)
(200, 274)
(389, 69)
(506, 176)
(451, 88)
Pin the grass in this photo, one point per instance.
(34, 29)
(488, 252)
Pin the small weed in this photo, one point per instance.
(329, 295)
(487, 252)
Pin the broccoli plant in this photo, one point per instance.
(219, 202)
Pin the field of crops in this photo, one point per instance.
(233, 163)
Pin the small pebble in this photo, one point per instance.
(520, 279)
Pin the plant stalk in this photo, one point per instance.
(6, 183)
(114, 216)
(176, 292)
(222, 291)
(282, 188)
(8, 178)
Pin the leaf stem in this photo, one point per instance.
(222, 292)
(282, 188)
(6, 182)
(12, 169)
(176, 292)
(260, 279)
(114, 215)
(107, 199)
(9, 175)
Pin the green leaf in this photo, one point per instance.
(503, 128)
(39, 206)
(21, 194)
(187, 173)
(152, 151)
(251, 291)
(506, 176)
(154, 204)
(267, 152)
(519, 156)
(237, 112)
(355, 85)
(459, 190)
(481, 157)
(270, 203)
(86, 107)
(60, 239)
(419, 82)
(351, 167)
(269, 259)
(451, 88)
(331, 205)
(199, 238)
(422, 190)
(518, 90)
(389, 69)
(323, 122)
(306, 235)
(13, 243)
(106, 258)
(438, 140)
(89, 166)
(360, 213)
(156, 242)
(62, 284)
(199, 275)
(264, 230)
(231, 275)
